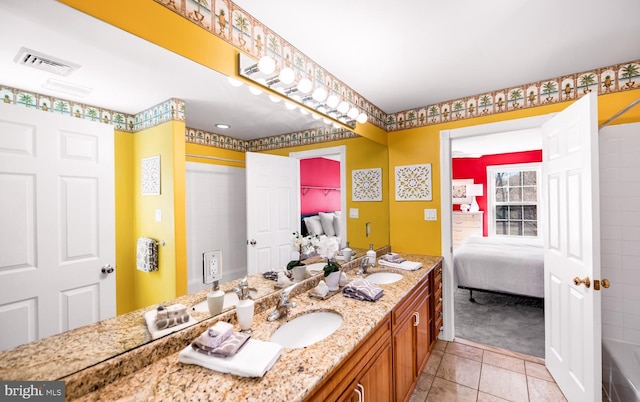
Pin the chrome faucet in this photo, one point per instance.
(283, 306)
(364, 265)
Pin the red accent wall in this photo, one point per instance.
(476, 169)
(319, 172)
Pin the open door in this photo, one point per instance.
(572, 250)
(273, 210)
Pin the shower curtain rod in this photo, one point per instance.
(620, 113)
(215, 158)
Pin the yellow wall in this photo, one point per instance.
(361, 154)
(135, 216)
(409, 232)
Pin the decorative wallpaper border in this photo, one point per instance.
(616, 78)
(313, 136)
(171, 109)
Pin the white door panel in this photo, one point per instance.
(273, 210)
(571, 193)
(57, 230)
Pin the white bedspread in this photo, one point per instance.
(501, 264)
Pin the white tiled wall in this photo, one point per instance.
(620, 231)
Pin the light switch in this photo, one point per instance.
(158, 215)
(353, 212)
(430, 215)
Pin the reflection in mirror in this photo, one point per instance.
(208, 97)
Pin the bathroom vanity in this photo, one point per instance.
(379, 349)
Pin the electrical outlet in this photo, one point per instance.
(212, 266)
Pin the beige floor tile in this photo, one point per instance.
(503, 383)
(484, 397)
(460, 370)
(504, 361)
(440, 345)
(434, 362)
(443, 390)
(538, 371)
(422, 388)
(465, 351)
(544, 391)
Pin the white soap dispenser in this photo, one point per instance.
(215, 299)
(245, 306)
(371, 255)
(347, 252)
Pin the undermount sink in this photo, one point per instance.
(307, 329)
(230, 300)
(383, 278)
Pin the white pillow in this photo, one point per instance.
(314, 227)
(327, 223)
(336, 223)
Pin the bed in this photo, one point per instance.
(503, 265)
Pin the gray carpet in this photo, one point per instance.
(514, 323)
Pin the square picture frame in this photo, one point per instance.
(459, 191)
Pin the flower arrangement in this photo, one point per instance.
(328, 247)
(302, 245)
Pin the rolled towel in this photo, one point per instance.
(228, 348)
(214, 336)
(343, 279)
(362, 289)
(270, 275)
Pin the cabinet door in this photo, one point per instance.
(376, 381)
(422, 332)
(403, 358)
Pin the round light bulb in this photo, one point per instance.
(353, 112)
(286, 75)
(267, 65)
(315, 116)
(319, 94)
(274, 98)
(304, 85)
(322, 109)
(362, 118)
(304, 111)
(255, 90)
(343, 107)
(332, 101)
(289, 105)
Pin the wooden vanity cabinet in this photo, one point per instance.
(437, 302)
(411, 333)
(364, 375)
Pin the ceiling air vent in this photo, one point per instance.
(44, 62)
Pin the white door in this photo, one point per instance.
(572, 250)
(273, 210)
(56, 224)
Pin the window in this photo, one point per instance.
(514, 198)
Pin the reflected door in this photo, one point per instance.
(273, 210)
(57, 252)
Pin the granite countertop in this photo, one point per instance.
(296, 372)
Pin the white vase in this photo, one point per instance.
(299, 273)
(333, 281)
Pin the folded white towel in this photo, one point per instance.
(406, 265)
(254, 359)
(150, 319)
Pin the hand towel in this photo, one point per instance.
(214, 336)
(147, 254)
(322, 290)
(228, 348)
(170, 316)
(253, 360)
(406, 265)
(150, 319)
(362, 289)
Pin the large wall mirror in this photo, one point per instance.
(108, 57)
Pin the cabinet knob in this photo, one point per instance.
(439, 313)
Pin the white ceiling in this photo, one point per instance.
(398, 55)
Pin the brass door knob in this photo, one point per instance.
(586, 281)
